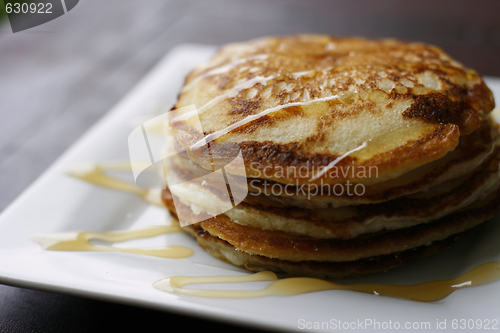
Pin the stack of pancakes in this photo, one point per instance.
(354, 156)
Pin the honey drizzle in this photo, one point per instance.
(422, 292)
(96, 174)
(222, 69)
(215, 135)
(80, 241)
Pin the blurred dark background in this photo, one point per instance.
(58, 79)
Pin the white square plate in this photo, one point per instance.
(58, 203)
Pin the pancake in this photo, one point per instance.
(305, 101)
(264, 135)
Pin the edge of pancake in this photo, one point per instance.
(351, 221)
(472, 151)
(275, 244)
(222, 250)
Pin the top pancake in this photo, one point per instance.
(312, 101)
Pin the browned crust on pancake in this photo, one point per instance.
(458, 107)
(321, 269)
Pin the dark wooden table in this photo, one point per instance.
(57, 79)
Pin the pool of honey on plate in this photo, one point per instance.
(424, 292)
(81, 241)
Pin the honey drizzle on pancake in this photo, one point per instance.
(237, 89)
(245, 84)
(423, 292)
(337, 160)
(223, 69)
(213, 136)
(80, 241)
